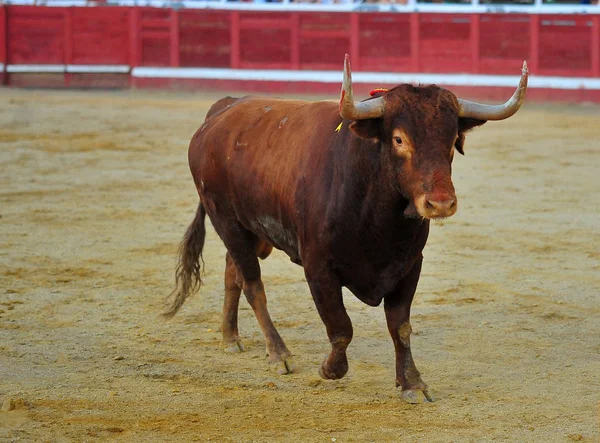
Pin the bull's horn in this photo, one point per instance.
(498, 112)
(357, 111)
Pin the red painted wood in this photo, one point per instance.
(3, 40)
(68, 30)
(264, 23)
(534, 44)
(596, 46)
(101, 36)
(475, 38)
(174, 41)
(324, 39)
(153, 22)
(324, 35)
(155, 50)
(385, 42)
(134, 37)
(154, 16)
(268, 47)
(354, 42)
(504, 42)
(235, 39)
(415, 61)
(295, 41)
(444, 43)
(161, 34)
(38, 80)
(205, 38)
(56, 80)
(3, 44)
(266, 39)
(565, 44)
(35, 35)
(155, 35)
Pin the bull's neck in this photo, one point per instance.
(371, 192)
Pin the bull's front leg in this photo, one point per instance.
(397, 313)
(327, 294)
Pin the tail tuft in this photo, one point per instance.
(187, 273)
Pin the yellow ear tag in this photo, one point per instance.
(339, 127)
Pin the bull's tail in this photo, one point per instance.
(187, 273)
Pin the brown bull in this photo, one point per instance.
(346, 191)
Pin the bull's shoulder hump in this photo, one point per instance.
(220, 106)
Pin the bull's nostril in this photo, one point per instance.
(441, 205)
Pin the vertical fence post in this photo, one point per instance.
(174, 40)
(235, 39)
(3, 43)
(534, 43)
(295, 40)
(134, 37)
(475, 43)
(596, 46)
(355, 40)
(68, 46)
(414, 42)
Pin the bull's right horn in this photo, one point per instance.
(357, 111)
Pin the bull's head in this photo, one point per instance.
(418, 129)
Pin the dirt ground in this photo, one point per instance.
(95, 195)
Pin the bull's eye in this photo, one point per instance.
(398, 140)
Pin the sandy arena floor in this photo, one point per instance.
(95, 195)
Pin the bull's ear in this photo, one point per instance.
(369, 128)
(464, 126)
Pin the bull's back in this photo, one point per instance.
(253, 154)
(258, 141)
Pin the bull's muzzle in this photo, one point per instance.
(436, 205)
(436, 208)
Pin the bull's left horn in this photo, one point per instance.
(357, 111)
(498, 112)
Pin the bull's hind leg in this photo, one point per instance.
(279, 355)
(243, 248)
(233, 289)
(229, 323)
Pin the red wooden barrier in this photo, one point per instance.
(135, 43)
(265, 40)
(2, 34)
(100, 36)
(155, 35)
(384, 43)
(323, 37)
(205, 38)
(596, 46)
(504, 42)
(555, 45)
(565, 44)
(3, 42)
(36, 35)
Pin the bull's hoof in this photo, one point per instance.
(333, 372)
(234, 347)
(284, 366)
(415, 396)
